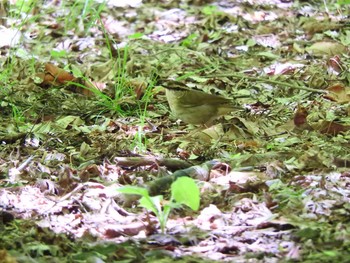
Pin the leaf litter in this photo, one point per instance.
(84, 113)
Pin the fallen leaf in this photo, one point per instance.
(300, 116)
(331, 127)
(339, 93)
(60, 75)
(322, 48)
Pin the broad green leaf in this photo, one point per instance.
(133, 190)
(326, 48)
(69, 120)
(185, 191)
(152, 203)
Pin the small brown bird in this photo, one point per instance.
(197, 107)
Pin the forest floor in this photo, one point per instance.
(84, 119)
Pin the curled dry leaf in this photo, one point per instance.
(300, 116)
(335, 65)
(300, 119)
(339, 93)
(56, 75)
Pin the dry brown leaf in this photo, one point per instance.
(331, 127)
(60, 75)
(54, 75)
(300, 116)
(335, 64)
(339, 93)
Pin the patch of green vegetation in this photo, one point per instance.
(82, 15)
(183, 191)
(323, 238)
(343, 2)
(323, 241)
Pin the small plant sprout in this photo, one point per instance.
(184, 191)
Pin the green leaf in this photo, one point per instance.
(189, 40)
(269, 55)
(69, 120)
(210, 10)
(185, 191)
(152, 203)
(330, 253)
(136, 36)
(76, 72)
(133, 190)
(58, 54)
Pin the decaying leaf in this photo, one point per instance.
(324, 48)
(300, 116)
(331, 127)
(55, 76)
(339, 93)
